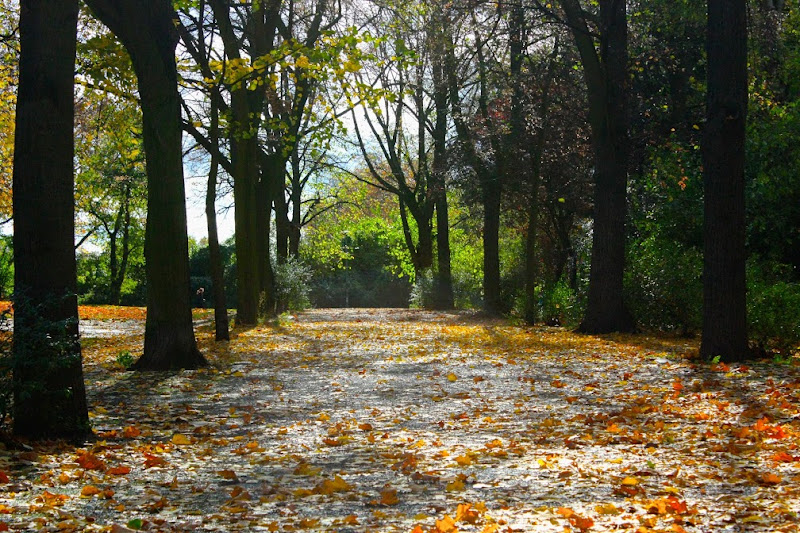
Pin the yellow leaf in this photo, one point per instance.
(630, 481)
(456, 485)
(608, 508)
(464, 460)
(180, 439)
(305, 469)
(308, 523)
(446, 525)
(451, 377)
(329, 486)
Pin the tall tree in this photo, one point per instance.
(605, 74)
(147, 30)
(724, 305)
(49, 393)
(443, 297)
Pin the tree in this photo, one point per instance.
(49, 393)
(111, 184)
(606, 77)
(147, 30)
(724, 289)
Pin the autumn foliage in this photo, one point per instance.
(419, 422)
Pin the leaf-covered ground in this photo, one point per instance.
(380, 420)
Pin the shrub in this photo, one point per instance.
(663, 284)
(559, 305)
(293, 284)
(773, 312)
(5, 371)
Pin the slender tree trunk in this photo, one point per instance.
(606, 82)
(443, 296)
(148, 33)
(269, 303)
(724, 304)
(282, 230)
(297, 212)
(215, 255)
(491, 191)
(531, 310)
(49, 393)
(252, 260)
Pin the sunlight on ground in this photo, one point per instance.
(397, 420)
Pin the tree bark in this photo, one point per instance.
(606, 82)
(252, 257)
(49, 393)
(147, 31)
(724, 288)
(221, 331)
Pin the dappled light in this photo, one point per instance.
(403, 420)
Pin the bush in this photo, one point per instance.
(5, 371)
(773, 312)
(559, 305)
(422, 293)
(663, 284)
(293, 284)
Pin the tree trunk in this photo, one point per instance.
(269, 304)
(490, 193)
(148, 33)
(297, 211)
(724, 289)
(49, 393)
(606, 82)
(443, 288)
(215, 256)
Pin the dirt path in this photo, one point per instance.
(389, 420)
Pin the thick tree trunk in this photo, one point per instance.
(724, 304)
(244, 154)
(606, 82)
(221, 330)
(49, 393)
(147, 31)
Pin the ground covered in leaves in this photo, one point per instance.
(414, 421)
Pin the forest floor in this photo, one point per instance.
(416, 421)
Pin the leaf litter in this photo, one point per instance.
(417, 421)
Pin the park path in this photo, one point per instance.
(407, 420)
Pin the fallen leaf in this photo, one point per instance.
(90, 490)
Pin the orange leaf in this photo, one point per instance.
(90, 461)
(119, 470)
(465, 513)
(780, 457)
(228, 474)
(90, 490)
(131, 432)
(365, 427)
(3, 477)
(566, 512)
(581, 523)
(389, 497)
(3, 526)
(770, 478)
(446, 525)
(153, 460)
